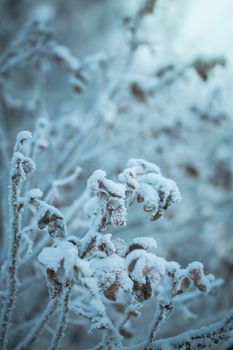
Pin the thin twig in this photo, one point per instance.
(63, 320)
(39, 326)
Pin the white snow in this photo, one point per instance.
(148, 243)
(63, 253)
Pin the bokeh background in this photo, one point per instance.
(169, 100)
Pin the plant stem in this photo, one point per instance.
(163, 311)
(14, 236)
(39, 327)
(62, 322)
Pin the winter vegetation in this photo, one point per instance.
(116, 178)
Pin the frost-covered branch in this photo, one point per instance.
(96, 265)
(39, 326)
(21, 166)
(203, 338)
(63, 318)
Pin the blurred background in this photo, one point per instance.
(156, 85)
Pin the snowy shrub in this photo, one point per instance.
(106, 259)
(94, 262)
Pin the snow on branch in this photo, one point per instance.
(145, 183)
(100, 267)
(21, 167)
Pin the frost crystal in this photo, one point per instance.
(35, 193)
(46, 215)
(146, 243)
(143, 265)
(145, 183)
(64, 254)
(108, 208)
(111, 274)
(22, 137)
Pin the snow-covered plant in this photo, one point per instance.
(85, 274)
(145, 183)
(79, 258)
(21, 167)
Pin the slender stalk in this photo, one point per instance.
(62, 322)
(128, 314)
(4, 159)
(112, 339)
(163, 311)
(202, 338)
(14, 236)
(39, 327)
